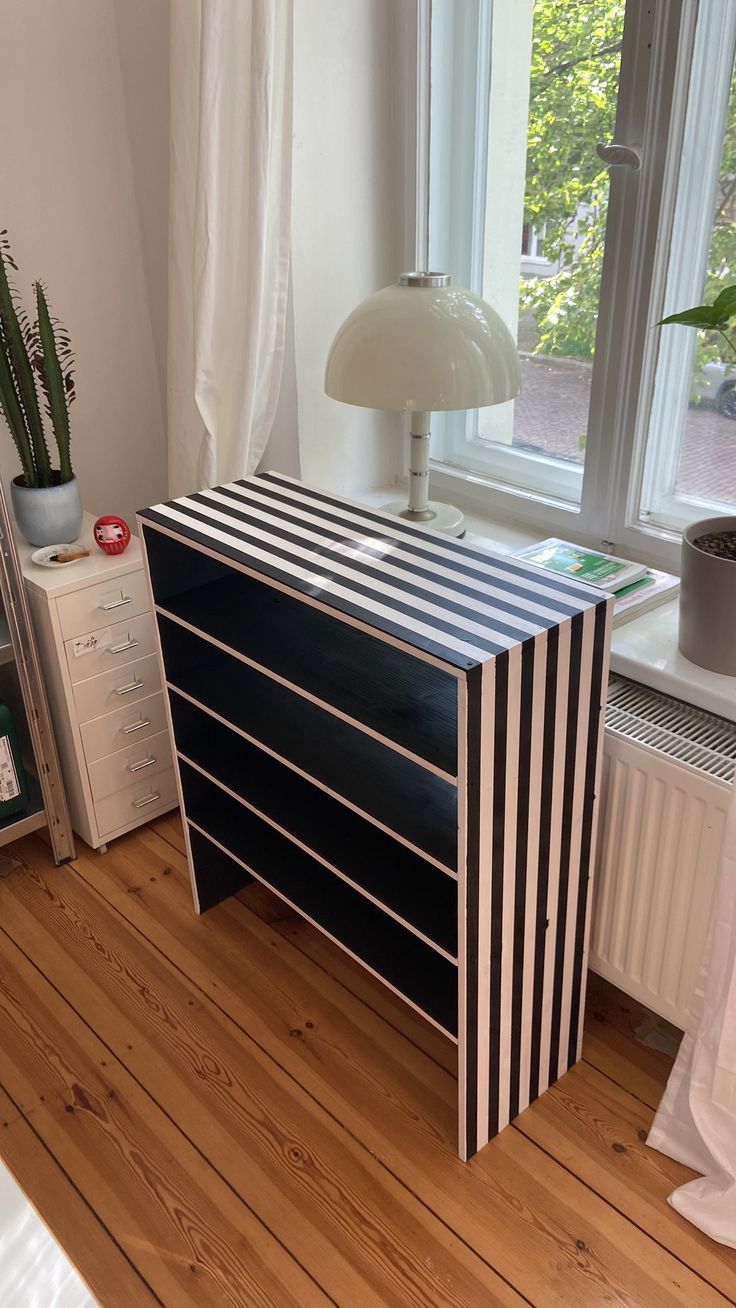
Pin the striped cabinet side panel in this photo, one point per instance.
(533, 742)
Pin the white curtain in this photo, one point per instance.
(696, 1120)
(230, 188)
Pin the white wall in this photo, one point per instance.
(84, 195)
(347, 213)
(282, 452)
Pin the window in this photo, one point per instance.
(622, 433)
(690, 463)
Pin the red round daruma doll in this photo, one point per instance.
(112, 534)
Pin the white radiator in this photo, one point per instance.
(667, 770)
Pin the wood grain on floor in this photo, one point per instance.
(228, 1111)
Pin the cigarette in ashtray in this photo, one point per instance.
(68, 556)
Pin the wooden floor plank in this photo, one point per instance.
(351, 975)
(193, 1242)
(97, 1257)
(362, 1236)
(536, 1223)
(612, 1040)
(170, 828)
(598, 1131)
(239, 961)
(354, 978)
(613, 1027)
(612, 1021)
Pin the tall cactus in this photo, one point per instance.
(12, 411)
(14, 347)
(29, 351)
(54, 368)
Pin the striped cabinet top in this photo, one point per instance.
(461, 603)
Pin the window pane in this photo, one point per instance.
(553, 97)
(706, 466)
(691, 452)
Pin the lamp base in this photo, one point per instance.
(440, 517)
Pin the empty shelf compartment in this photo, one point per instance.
(398, 879)
(399, 696)
(421, 975)
(415, 804)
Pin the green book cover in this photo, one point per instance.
(597, 569)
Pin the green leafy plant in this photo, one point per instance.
(715, 317)
(36, 361)
(573, 99)
(576, 51)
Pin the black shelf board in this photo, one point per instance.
(403, 881)
(416, 970)
(403, 698)
(402, 795)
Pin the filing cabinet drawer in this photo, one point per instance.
(139, 802)
(97, 639)
(98, 651)
(131, 723)
(102, 604)
(143, 761)
(133, 681)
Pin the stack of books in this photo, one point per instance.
(636, 587)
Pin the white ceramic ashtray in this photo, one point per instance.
(59, 556)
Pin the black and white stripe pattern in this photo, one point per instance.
(460, 603)
(532, 764)
(530, 652)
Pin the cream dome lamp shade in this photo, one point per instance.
(422, 345)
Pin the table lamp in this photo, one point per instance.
(422, 345)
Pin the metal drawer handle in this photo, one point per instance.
(145, 763)
(150, 799)
(132, 685)
(116, 604)
(144, 722)
(118, 649)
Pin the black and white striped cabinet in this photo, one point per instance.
(400, 734)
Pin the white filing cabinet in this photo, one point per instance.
(95, 633)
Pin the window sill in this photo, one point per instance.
(643, 649)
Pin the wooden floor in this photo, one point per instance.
(225, 1111)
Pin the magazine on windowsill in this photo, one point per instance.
(604, 570)
(651, 590)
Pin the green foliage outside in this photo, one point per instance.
(574, 83)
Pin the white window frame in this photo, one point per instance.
(691, 234)
(656, 57)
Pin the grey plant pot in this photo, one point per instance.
(48, 515)
(708, 601)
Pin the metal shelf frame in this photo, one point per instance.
(48, 805)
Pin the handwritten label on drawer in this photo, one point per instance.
(93, 640)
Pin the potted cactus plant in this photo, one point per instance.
(708, 565)
(36, 370)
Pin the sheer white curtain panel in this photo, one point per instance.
(230, 218)
(696, 1120)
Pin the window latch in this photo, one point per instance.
(621, 156)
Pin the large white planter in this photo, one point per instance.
(708, 601)
(47, 515)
